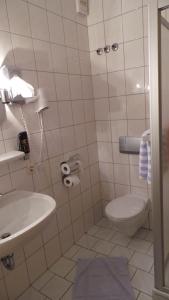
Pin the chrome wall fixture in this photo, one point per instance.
(107, 49)
(99, 51)
(115, 46)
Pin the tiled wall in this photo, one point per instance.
(120, 85)
(48, 41)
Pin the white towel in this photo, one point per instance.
(145, 157)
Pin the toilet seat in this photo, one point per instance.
(126, 207)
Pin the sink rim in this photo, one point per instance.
(34, 224)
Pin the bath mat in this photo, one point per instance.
(102, 278)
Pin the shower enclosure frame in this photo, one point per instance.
(160, 291)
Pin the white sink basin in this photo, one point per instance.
(22, 214)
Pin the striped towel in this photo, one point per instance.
(145, 158)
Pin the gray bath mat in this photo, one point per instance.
(102, 278)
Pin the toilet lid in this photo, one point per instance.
(126, 207)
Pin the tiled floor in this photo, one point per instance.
(101, 240)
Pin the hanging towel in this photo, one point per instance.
(145, 157)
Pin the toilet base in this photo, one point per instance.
(130, 227)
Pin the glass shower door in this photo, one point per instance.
(164, 99)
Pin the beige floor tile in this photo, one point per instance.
(132, 271)
(56, 288)
(84, 253)
(32, 294)
(103, 247)
(105, 223)
(143, 282)
(139, 245)
(121, 239)
(142, 261)
(141, 234)
(105, 234)
(87, 241)
(72, 251)
(71, 275)
(39, 283)
(122, 251)
(151, 251)
(63, 266)
(93, 230)
(68, 295)
(143, 296)
(136, 293)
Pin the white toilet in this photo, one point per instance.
(128, 213)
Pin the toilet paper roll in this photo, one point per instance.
(70, 181)
(69, 167)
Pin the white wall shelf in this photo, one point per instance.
(11, 156)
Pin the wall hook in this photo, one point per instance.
(115, 46)
(99, 51)
(107, 49)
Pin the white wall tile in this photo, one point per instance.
(136, 127)
(78, 111)
(68, 139)
(62, 86)
(18, 17)
(103, 131)
(121, 174)
(87, 88)
(115, 60)
(101, 109)
(116, 81)
(105, 152)
(83, 39)
(56, 32)
(23, 52)
(96, 36)
(128, 5)
(133, 32)
(4, 25)
(65, 109)
(36, 265)
(135, 81)
(70, 29)
(98, 63)
(117, 108)
(111, 8)
(43, 56)
(68, 9)
(100, 86)
(73, 61)
(119, 128)
(134, 54)
(17, 287)
(75, 87)
(95, 12)
(133, 102)
(113, 31)
(59, 58)
(85, 64)
(38, 22)
(6, 53)
(54, 6)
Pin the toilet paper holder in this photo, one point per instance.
(71, 167)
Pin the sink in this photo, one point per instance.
(22, 215)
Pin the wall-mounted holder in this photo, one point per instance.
(107, 49)
(70, 170)
(100, 51)
(115, 46)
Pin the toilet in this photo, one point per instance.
(128, 213)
